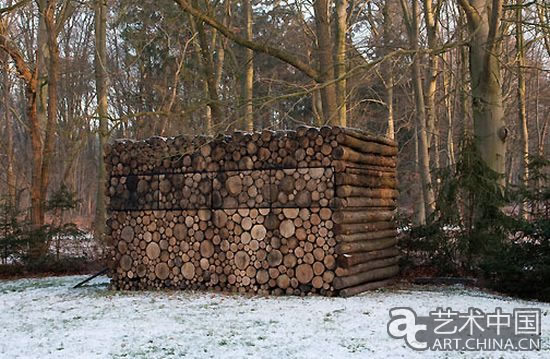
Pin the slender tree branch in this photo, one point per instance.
(253, 45)
(14, 6)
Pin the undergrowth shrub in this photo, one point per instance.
(478, 230)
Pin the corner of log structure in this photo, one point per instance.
(282, 212)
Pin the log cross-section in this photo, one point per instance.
(271, 212)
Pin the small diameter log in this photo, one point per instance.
(348, 292)
(338, 203)
(363, 277)
(366, 146)
(362, 216)
(348, 260)
(349, 154)
(346, 191)
(365, 181)
(365, 267)
(354, 237)
(365, 246)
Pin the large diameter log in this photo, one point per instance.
(365, 267)
(365, 181)
(348, 260)
(349, 154)
(360, 134)
(353, 191)
(354, 237)
(374, 171)
(304, 273)
(365, 246)
(366, 146)
(355, 228)
(341, 166)
(362, 216)
(348, 292)
(338, 203)
(363, 277)
(162, 271)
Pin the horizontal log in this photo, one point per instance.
(364, 277)
(338, 203)
(354, 191)
(342, 166)
(352, 228)
(354, 237)
(348, 292)
(367, 136)
(366, 146)
(364, 181)
(372, 172)
(351, 155)
(346, 216)
(365, 246)
(367, 266)
(348, 260)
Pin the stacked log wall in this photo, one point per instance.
(295, 212)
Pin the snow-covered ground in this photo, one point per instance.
(46, 318)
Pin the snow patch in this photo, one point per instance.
(46, 318)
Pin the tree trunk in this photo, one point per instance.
(326, 63)
(524, 134)
(484, 18)
(430, 19)
(420, 207)
(411, 19)
(209, 72)
(53, 77)
(248, 83)
(388, 71)
(10, 175)
(101, 83)
(448, 110)
(341, 30)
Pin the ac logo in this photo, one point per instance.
(402, 324)
(471, 330)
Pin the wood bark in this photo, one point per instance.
(363, 277)
(208, 71)
(365, 246)
(348, 260)
(343, 217)
(340, 73)
(101, 84)
(350, 291)
(30, 77)
(248, 83)
(387, 68)
(6, 84)
(522, 113)
(484, 19)
(411, 16)
(367, 266)
(326, 63)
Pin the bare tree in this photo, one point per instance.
(411, 15)
(484, 19)
(101, 84)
